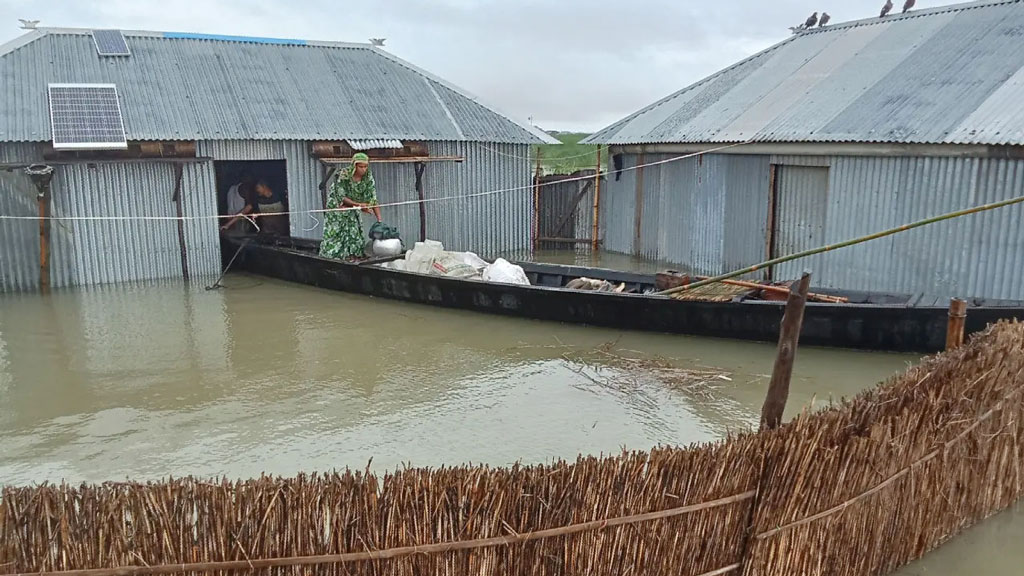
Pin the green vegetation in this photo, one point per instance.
(570, 155)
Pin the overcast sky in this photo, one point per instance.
(567, 64)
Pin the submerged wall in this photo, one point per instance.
(106, 251)
(711, 216)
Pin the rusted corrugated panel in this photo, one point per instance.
(944, 75)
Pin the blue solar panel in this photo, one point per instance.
(110, 43)
(86, 116)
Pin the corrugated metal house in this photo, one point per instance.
(193, 104)
(847, 130)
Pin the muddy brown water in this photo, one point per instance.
(149, 380)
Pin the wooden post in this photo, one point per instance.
(176, 198)
(536, 200)
(955, 327)
(597, 202)
(420, 168)
(44, 240)
(638, 223)
(789, 336)
(41, 175)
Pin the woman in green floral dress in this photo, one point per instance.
(354, 187)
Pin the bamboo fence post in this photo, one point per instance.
(813, 251)
(955, 326)
(789, 336)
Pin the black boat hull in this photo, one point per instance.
(881, 327)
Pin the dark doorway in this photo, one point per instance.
(230, 172)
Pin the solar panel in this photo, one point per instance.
(110, 43)
(86, 116)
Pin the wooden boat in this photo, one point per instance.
(872, 321)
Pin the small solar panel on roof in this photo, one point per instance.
(110, 43)
(86, 116)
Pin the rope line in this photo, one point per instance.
(391, 553)
(527, 188)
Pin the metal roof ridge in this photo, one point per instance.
(921, 13)
(178, 35)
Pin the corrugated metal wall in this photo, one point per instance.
(701, 213)
(974, 256)
(802, 204)
(713, 214)
(488, 225)
(100, 252)
(19, 239)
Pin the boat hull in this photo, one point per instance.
(881, 327)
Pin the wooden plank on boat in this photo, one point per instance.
(670, 279)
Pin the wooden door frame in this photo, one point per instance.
(770, 230)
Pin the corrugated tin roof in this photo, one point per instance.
(190, 86)
(951, 75)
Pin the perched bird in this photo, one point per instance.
(28, 24)
(908, 5)
(886, 8)
(797, 29)
(811, 20)
(377, 41)
(824, 19)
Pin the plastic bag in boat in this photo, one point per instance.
(505, 272)
(452, 266)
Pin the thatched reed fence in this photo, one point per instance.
(859, 489)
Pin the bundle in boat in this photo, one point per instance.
(729, 290)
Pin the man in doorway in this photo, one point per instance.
(239, 201)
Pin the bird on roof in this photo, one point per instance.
(811, 20)
(824, 19)
(377, 41)
(908, 5)
(28, 24)
(886, 9)
(797, 29)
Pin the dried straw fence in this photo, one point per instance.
(860, 488)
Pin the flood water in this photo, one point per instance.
(157, 379)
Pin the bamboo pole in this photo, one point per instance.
(789, 336)
(597, 201)
(955, 327)
(830, 247)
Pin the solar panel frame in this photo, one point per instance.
(110, 43)
(93, 127)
